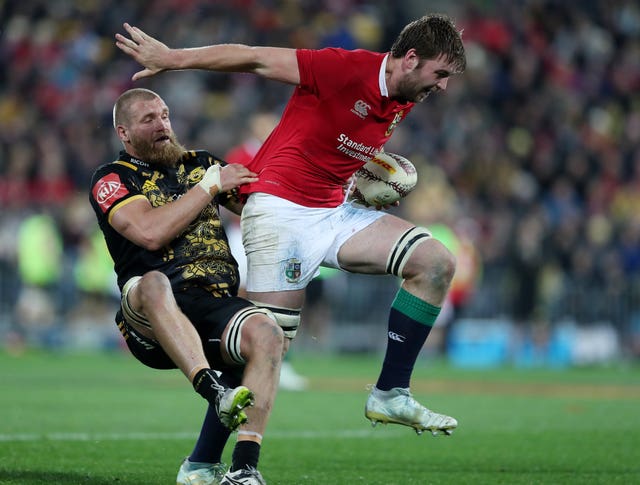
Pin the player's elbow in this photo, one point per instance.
(276, 63)
(153, 242)
(151, 245)
(149, 238)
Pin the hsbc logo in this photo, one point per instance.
(361, 109)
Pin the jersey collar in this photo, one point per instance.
(382, 80)
(125, 157)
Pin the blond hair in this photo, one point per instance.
(121, 111)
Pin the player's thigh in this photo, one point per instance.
(367, 251)
(285, 244)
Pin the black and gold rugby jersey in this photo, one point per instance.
(200, 256)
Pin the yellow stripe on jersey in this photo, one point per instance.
(126, 164)
(120, 205)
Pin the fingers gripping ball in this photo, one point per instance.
(385, 179)
(210, 182)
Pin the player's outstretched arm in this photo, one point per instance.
(280, 64)
(151, 53)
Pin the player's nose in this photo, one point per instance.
(442, 84)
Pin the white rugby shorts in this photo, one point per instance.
(285, 243)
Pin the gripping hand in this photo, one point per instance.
(210, 183)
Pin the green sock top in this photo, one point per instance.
(415, 308)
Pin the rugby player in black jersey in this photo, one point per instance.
(157, 205)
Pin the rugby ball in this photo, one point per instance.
(384, 179)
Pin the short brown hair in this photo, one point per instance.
(432, 36)
(121, 113)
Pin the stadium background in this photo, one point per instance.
(529, 167)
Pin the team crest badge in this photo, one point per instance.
(293, 270)
(397, 119)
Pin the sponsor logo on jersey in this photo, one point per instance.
(108, 190)
(361, 109)
(293, 270)
(396, 337)
(356, 149)
(139, 162)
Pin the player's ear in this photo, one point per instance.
(411, 60)
(122, 133)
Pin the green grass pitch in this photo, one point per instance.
(106, 419)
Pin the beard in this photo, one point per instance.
(167, 154)
(410, 90)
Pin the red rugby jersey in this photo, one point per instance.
(338, 117)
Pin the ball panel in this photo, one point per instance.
(385, 179)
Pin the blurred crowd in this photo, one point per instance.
(529, 163)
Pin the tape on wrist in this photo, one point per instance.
(210, 183)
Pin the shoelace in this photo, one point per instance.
(220, 390)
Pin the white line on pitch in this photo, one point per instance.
(382, 433)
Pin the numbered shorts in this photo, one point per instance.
(285, 243)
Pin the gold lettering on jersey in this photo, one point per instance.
(396, 119)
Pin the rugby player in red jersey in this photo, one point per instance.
(343, 110)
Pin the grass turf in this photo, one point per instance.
(105, 419)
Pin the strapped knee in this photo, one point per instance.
(287, 318)
(234, 336)
(404, 247)
(129, 314)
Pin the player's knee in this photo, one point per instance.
(154, 287)
(264, 337)
(254, 334)
(445, 265)
(445, 261)
(433, 262)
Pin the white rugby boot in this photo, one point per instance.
(398, 406)
(195, 473)
(243, 476)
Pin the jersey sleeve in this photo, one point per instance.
(113, 186)
(323, 71)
